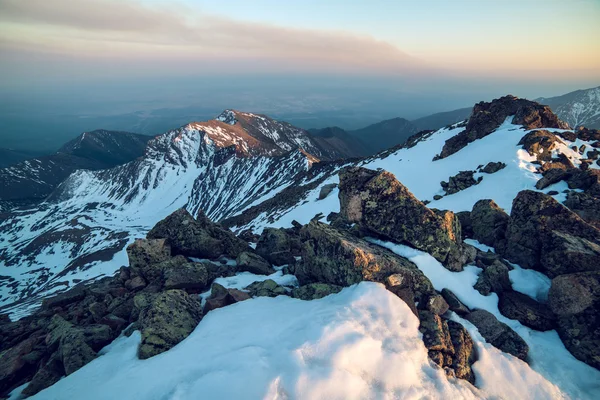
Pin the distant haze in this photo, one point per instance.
(69, 66)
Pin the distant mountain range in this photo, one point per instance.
(35, 178)
(578, 108)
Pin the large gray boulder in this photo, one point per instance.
(378, 203)
(253, 263)
(168, 319)
(489, 223)
(545, 235)
(197, 237)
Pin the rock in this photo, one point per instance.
(135, 284)
(551, 177)
(580, 332)
(543, 234)
(489, 223)
(222, 297)
(98, 310)
(435, 332)
(76, 294)
(587, 135)
(494, 278)
(437, 197)
(540, 144)
(377, 202)
(4, 319)
(454, 303)
(487, 117)
(145, 253)
(14, 369)
(314, 291)
(167, 320)
(402, 285)
(464, 351)
(515, 305)
(552, 193)
(190, 276)
(198, 237)
(48, 374)
(326, 189)
(97, 335)
(458, 182)
(574, 293)
(339, 258)
(498, 334)
(493, 167)
(74, 351)
(253, 263)
(437, 304)
(586, 206)
(266, 288)
(275, 245)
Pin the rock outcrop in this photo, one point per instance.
(461, 181)
(487, 117)
(276, 246)
(575, 299)
(515, 305)
(543, 234)
(489, 223)
(378, 203)
(198, 237)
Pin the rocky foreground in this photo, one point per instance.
(158, 293)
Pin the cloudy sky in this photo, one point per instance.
(461, 50)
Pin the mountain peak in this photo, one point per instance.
(227, 116)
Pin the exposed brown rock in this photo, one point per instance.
(515, 305)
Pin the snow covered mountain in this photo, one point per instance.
(34, 179)
(221, 167)
(578, 108)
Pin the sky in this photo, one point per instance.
(149, 53)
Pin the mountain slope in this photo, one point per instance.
(578, 108)
(385, 134)
(221, 166)
(36, 178)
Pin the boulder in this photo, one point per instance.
(552, 176)
(545, 235)
(326, 189)
(15, 369)
(74, 351)
(489, 223)
(169, 318)
(266, 288)
(586, 206)
(494, 278)
(540, 144)
(377, 202)
(339, 258)
(460, 181)
(493, 167)
(466, 224)
(198, 237)
(222, 297)
(449, 345)
(498, 334)
(48, 374)
(193, 277)
(464, 352)
(253, 263)
(515, 305)
(74, 295)
(573, 293)
(454, 303)
(145, 253)
(580, 332)
(437, 304)
(275, 245)
(314, 291)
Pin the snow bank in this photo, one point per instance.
(361, 343)
(502, 374)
